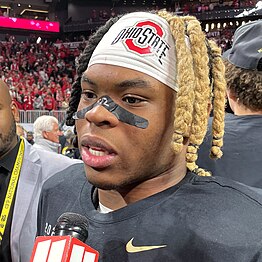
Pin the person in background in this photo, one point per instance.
(47, 132)
(140, 104)
(242, 150)
(49, 102)
(62, 141)
(23, 170)
(30, 137)
(71, 150)
(38, 102)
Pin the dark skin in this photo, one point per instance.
(134, 162)
(8, 116)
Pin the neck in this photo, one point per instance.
(122, 197)
(111, 199)
(48, 145)
(241, 111)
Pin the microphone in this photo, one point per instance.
(67, 243)
(72, 224)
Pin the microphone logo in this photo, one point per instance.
(63, 248)
(67, 245)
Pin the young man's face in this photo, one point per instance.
(116, 154)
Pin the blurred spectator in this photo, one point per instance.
(38, 103)
(71, 150)
(27, 101)
(46, 133)
(59, 97)
(49, 102)
(67, 133)
(30, 137)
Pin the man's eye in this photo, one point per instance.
(88, 95)
(132, 100)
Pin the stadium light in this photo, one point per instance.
(38, 40)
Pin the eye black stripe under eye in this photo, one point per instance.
(121, 114)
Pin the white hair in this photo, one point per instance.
(44, 123)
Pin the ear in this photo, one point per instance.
(44, 134)
(15, 112)
(231, 95)
(232, 100)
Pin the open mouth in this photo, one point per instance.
(98, 152)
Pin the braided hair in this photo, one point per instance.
(200, 77)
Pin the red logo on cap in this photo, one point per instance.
(144, 38)
(143, 50)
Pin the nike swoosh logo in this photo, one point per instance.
(130, 248)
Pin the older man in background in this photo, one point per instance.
(47, 132)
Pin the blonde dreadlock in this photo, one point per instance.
(196, 61)
(219, 86)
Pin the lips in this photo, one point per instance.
(97, 153)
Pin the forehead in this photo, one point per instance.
(55, 125)
(112, 70)
(119, 77)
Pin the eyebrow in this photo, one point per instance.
(85, 79)
(137, 82)
(131, 83)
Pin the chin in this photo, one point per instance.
(103, 181)
(106, 179)
(102, 184)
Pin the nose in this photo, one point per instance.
(101, 117)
